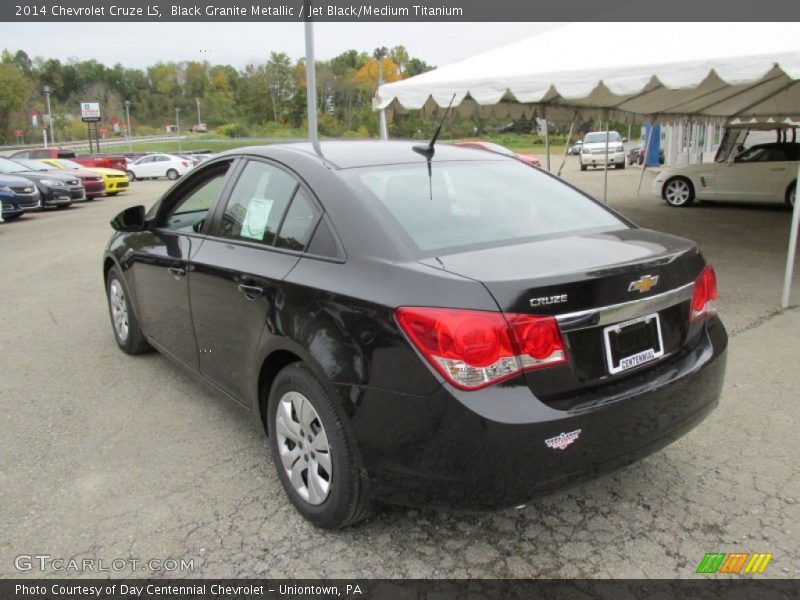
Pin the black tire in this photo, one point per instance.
(621, 165)
(134, 342)
(348, 500)
(12, 217)
(63, 206)
(790, 194)
(583, 167)
(111, 193)
(172, 174)
(131, 175)
(678, 191)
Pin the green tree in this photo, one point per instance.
(15, 87)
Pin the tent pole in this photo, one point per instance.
(547, 139)
(644, 160)
(790, 255)
(311, 83)
(605, 167)
(566, 148)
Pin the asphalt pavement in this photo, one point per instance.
(107, 456)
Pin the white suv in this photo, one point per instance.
(593, 151)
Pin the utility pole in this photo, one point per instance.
(311, 80)
(178, 126)
(380, 54)
(128, 122)
(198, 113)
(46, 91)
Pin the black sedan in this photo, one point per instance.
(636, 155)
(57, 190)
(455, 329)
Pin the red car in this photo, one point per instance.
(91, 181)
(498, 149)
(103, 161)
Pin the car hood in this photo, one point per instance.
(39, 175)
(686, 170)
(13, 181)
(79, 173)
(104, 171)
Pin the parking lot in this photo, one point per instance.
(104, 455)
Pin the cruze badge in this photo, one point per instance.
(562, 440)
(558, 299)
(644, 284)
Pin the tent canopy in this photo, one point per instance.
(619, 67)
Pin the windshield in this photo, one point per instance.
(599, 138)
(9, 166)
(34, 165)
(467, 204)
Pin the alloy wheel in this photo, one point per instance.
(119, 309)
(677, 192)
(304, 448)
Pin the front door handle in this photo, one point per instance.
(178, 272)
(251, 292)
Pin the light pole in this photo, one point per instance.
(379, 55)
(178, 126)
(198, 113)
(46, 91)
(128, 123)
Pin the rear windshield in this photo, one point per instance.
(599, 138)
(464, 205)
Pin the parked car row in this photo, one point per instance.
(31, 184)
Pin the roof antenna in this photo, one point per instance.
(427, 151)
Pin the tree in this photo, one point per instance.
(399, 55)
(15, 87)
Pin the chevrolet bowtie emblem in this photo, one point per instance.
(644, 284)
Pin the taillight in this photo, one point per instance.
(704, 299)
(473, 349)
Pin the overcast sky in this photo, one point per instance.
(237, 44)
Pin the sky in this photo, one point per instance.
(142, 44)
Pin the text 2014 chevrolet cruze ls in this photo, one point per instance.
(462, 331)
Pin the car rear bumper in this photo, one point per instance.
(488, 449)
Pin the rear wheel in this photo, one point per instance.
(678, 191)
(312, 451)
(127, 332)
(172, 174)
(790, 193)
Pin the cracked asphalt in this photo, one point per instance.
(107, 456)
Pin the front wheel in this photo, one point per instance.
(583, 167)
(313, 454)
(790, 194)
(172, 174)
(127, 332)
(621, 165)
(678, 191)
(131, 175)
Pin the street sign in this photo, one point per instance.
(90, 112)
(18, 133)
(34, 119)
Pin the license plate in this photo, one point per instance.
(633, 343)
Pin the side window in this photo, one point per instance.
(323, 242)
(298, 223)
(257, 203)
(190, 212)
(145, 160)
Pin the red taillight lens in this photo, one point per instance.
(704, 299)
(473, 349)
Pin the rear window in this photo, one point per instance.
(469, 204)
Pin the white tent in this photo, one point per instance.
(620, 70)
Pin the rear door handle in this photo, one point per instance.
(251, 292)
(177, 271)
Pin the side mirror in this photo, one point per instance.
(130, 219)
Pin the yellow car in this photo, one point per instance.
(114, 180)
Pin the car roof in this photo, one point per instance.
(365, 153)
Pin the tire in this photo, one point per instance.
(300, 411)
(172, 174)
(678, 191)
(63, 206)
(621, 165)
(790, 193)
(111, 193)
(583, 167)
(130, 337)
(10, 218)
(131, 175)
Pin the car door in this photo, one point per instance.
(143, 167)
(161, 262)
(749, 176)
(235, 283)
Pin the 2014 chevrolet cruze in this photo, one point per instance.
(456, 329)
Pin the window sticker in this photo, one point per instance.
(255, 220)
